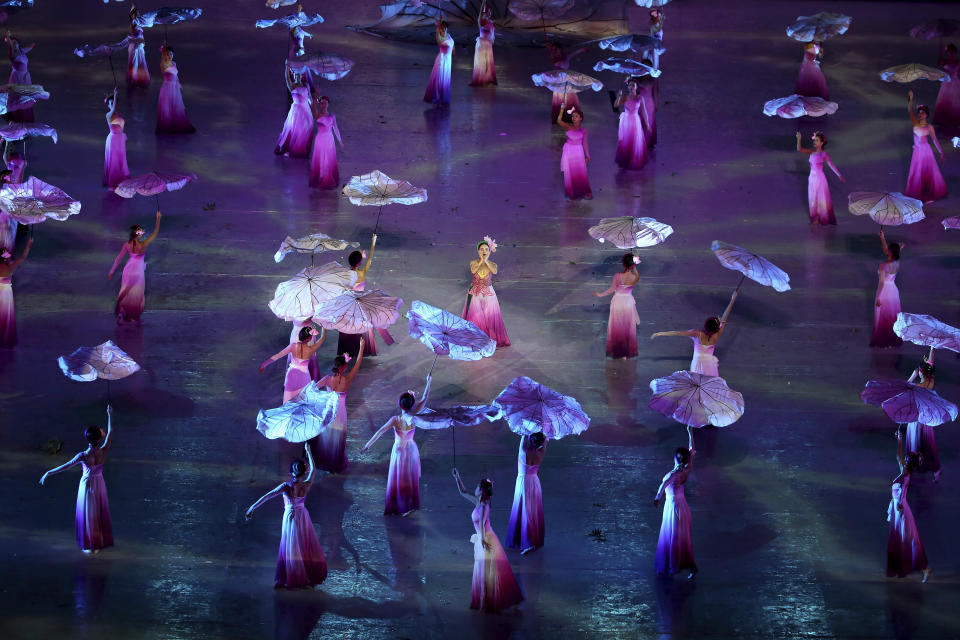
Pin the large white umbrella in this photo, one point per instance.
(795, 106)
(818, 27)
(377, 189)
(696, 400)
(927, 331)
(627, 67)
(296, 299)
(358, 311)
(301, 418)
(886, 208)
(751, 265)
(106, 361)
(313, 244)
(906, 402)
(627, 232)
(33, 201)
(912, 72)
(529, 407)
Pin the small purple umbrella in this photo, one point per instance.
(153, 184)
(529, 407)
(906, 402)
(696, 400)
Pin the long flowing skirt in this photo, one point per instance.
(559, 99)
(811, 81)
(300, 561)
(484, 311)
(494, 586)
(20, 115)
(905, 552)
(818, 195)
(650, 121)
(8, 230)
(947, 111)
(324, 172)
(705, 363)
(631, 142)
(483, 70)
(622, 326)
(921, 440)
(332, 442)
(137, 73)
(130, 301)
(438, 88)
(8, 319)
(115, 168)
(884, 316)
(526, 527)
(925, 182)
(94, 529)
(171, 112)
(675, 546)
(573, 164)
(403, 479)
(297, 132)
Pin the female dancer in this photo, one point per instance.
(15, 163)
(484, 73)
(130, 302)
(675, 545)
(656, 24)
(12, 175)
(171, 114)
(811, 81)
(525, 530)
(575, 156)
(300, 561)
(137, 73)
(561, 60)
(704, 341)
(438, 88)
(482, 307)
(94, 530)
(946, 113)
(905, 552)
(631, 141)
(403, 478)
(332, 446)
(324, 172)
(8, 320)
(115, 168)
(297, 130)
(925, 182)
(298, 364)
(920, 437)
(494, 587)
(297, 34)
(19, 74)
(349, 343)
(887, 299)
(622, 324)
(818, 190)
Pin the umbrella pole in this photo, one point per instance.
(377, 225)
(453, 432)
(430, 373)
(108, 392)
(742, 278)
(112, 71)
(157, 198)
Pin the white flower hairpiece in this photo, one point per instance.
(491, 243)
(636, 259)
(346, 357)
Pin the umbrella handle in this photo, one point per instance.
(453, 432)
(377, 225)
(742, 278)
(108, 392)
(430, 373)
(112, 71)
(156, 197)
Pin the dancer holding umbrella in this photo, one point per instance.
(131, 300)
(887, 298)
(818, 189)
(171, 112)
(298, 364)
(920, 437)
(332, 446)
(138, 75)
(115, 168)
(905, 552)
(8, 319)
(675, 544)
(704, 340)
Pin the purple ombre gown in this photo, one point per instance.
(324, 172)
(947, 110)
(703, 359)
(526, 527)
(811, 81)
(648, 114)
(403, 478)
(483, 309)
(137, 73)
(171, 113)
(19, 74)
(886, 314)
(818, 190)
(332, 441)
(438, 88)
(94, 530)
(573, 164)
(905, 552)
(631, 141)
(297, 130)
(8, 226)
(8, 319)
(130, 301)
(300, 560)
(623, 320)
(484, 72)
(296, 378)
(115, 168)
(925, 182)
(313, 367)
(920, 440)
(494, 587)
(675, 545)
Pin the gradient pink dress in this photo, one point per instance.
(483, 309)
(631, 141)
(130, 301)
(947, 110)
(115, 168)
(17, 166)
(818, 190)
(811, 81)
(332, 441)
(573, 164)
(313, 367)
(8, 319)
(19, 74)
(623, 320)
(171, 113)
(886, 314)
(703, 359)
(300, 560)
(137, 73)
(925, 182)
(648, 114)
(94, 530)
(296, 378)
(526, 528)
(494, 587)
(905, 552)
(403, 478)
(324, 172)
(675, 545)
(438, 88)
(297, 130)
(483, 70)
(920, 440)
(8, 226)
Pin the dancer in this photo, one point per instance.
(623, 320)
(324, 172)
(15, 163)
(575, 156)
(887, 299)
(705, 340)
(484, 73)
(137, 73)
(313, 367)
(115, 168)
(130, 301)
(403, 478)
(482, 307)
(920, 437)
(905, 552)
(332, 444)
(946, 112)
(297, 130)
(811, 81)
(818, 189)
(19, 74)
(656, 24)
(349, 343)
(171, 114)
(297, 34)
(300, 561)
(631, 141)
(438, 88)
(8, 319)
(561, 60)
(494, 586)
(675, 545)
(13, 174)
(298, 364)
(648, 90)
(94, 530)
(525, 530)
(925, 182)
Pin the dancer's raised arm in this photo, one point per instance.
(156, 230)
(310, 466)
(474, 500)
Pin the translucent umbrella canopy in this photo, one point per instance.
(796, 106)
(927, 331)
(105, 50)
(105, 362)
(297, 299)
(951, 223)
(298, 19)
(326, 65)
(540, 9)
(21, 130)
(276, 4)
(651, 4)
(939, 28)
(751, 265)
(636, 43)
(34, 201)
(448, 334)
(312, 244)
(14, 97)
(626, 66)
(696, 400)
(151, 184)
(565, 81)
(529, 407)
(627, 232)
(460, 416)
(301, 418)
(377, 189)
(358, 311)
(818, 27)
(886, 208)
(168, 15)
(912, 72)
(906, 402)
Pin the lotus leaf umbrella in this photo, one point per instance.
(751, 265)
(17, 4)
(939, 28)
(358, 311)
(956, 142)
(951, 223)
(644, 45)
(22, 130)
(298, 19)
(796, 106)
(167, 16)
(107, 51)
(301, 418)
(886, 208)
(33, 201)
(529, 407)
(540, 10)
(448, 334)
(296, 299)
(14, 97)
(564, 81)
(906, 402)
(463, 415)
(276, 4)
(326, 65)
(651, 4)
(104, 362)
(377, 189)
(153, 184)
(912, 72)
(313, 244)
(627, 232)
(927, 331)
(627, 67)
(696, 400)
(818, 27)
